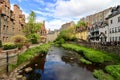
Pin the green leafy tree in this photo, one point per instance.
(81, 24)
(67, 35)
(32, 27)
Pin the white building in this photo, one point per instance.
(114, 25)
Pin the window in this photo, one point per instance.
(110, 39)
(105, 32)
(115, 38)
(115, 29)
(3, 27)
(119, 19)
(111, 21)
(119, 29)
(112, 30)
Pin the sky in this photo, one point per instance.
(58, 12)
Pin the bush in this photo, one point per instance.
(61, 41)
(34, 38)
(19, 40)
(114, 70)
(102, 76)
(8, 46)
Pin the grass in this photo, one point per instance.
(97, 56)
(90, 54)
(101, 75)
(30, 53)
(83, 60)
(114, 70)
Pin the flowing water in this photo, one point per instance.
(59, 64)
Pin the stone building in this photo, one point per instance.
(19, 20)
(43, 32)
(6, 21)
(97, 17)
(11, 22)
(52, 35)
(67, 26)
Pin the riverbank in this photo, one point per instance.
(96, 57)
(25, 57)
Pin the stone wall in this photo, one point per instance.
(10, 58)
(98, 46)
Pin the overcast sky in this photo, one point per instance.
(58, 12)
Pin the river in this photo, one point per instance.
(59, 64)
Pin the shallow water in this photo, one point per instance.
(59, 64)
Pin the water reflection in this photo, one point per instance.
(58, 65)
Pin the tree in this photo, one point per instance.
(81, 24)
(31, 27)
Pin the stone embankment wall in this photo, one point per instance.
(8, 57)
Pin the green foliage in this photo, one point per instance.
(100, 75)
(90, 54)
(34, 38)
(81, 24)
(60, 41)
(8, 46)
(85, 61)
(67, 35)
(0, 43)
(31, 28)
(30, 53)
(114, 70)
(19, 40)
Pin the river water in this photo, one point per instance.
(59, 64)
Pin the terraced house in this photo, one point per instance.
(11, 22)
(114, 25)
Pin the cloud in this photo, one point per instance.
(58, 12)
(19, 0)
(75, 8)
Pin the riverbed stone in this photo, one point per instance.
(19, 77)
(28, 69)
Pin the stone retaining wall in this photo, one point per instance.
(7, 57)
(110, 49)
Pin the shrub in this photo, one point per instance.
(19, 40)
(61, 41)
(114, 70)
(34, 38)
(8, 46)
(102, 76)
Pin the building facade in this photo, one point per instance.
(10, 24)
(114, 25)
(19, 20)
(43, 32)
(67, 26)
(52, 35)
